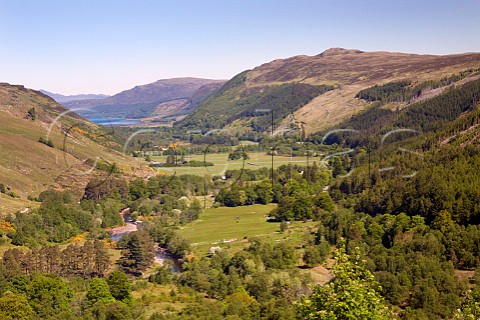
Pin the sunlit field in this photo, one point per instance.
(221, 163)
(232, 227)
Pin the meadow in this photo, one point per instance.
(232, 227)
(221, 163)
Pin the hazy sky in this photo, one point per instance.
(106, 46)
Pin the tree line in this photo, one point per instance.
(87, 261)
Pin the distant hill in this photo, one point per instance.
(159, 100)
(43, 146)
(278, 85)
(60, 98)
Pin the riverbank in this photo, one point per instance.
(127, 228)
(117, 232)
(161, 254)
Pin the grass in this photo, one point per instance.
(221, 163)
(29, 167)
(222, 226)
(9, 204)
(248, 143)
(232, 227)
(156, 299)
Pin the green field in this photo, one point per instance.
(221, 163)
(220, 226)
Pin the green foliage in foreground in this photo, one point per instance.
(49, 296)
(352, 294)
(14, 306)
(471, 307)
(98, 290)
(120, 287)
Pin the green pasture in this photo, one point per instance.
(218, 226)
(232, 227)
(221, 163)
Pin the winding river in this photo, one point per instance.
(161, 254)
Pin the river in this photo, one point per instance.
(161, 254)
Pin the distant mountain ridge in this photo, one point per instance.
(159, 100)
(348, 71)
(60, 98)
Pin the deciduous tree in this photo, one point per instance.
(351, 294)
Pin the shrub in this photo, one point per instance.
(46, 142)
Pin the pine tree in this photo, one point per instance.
(12, 260)
(138, 254)
(102, 258)
(88, 259)
(52, 256)
(71, 261)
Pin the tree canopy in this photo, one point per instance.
(353, 293)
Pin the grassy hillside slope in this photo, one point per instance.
(349, 71)
(28, 167)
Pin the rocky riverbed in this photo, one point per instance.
(161, 254)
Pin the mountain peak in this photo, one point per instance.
(60, 98)
(162, 98)
(338, 51)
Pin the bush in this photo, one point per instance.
(238, 154)
(120, 287)
(32, 114)
(13, 194)
(46, 142)
(316, 255)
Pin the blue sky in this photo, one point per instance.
(106, 46)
